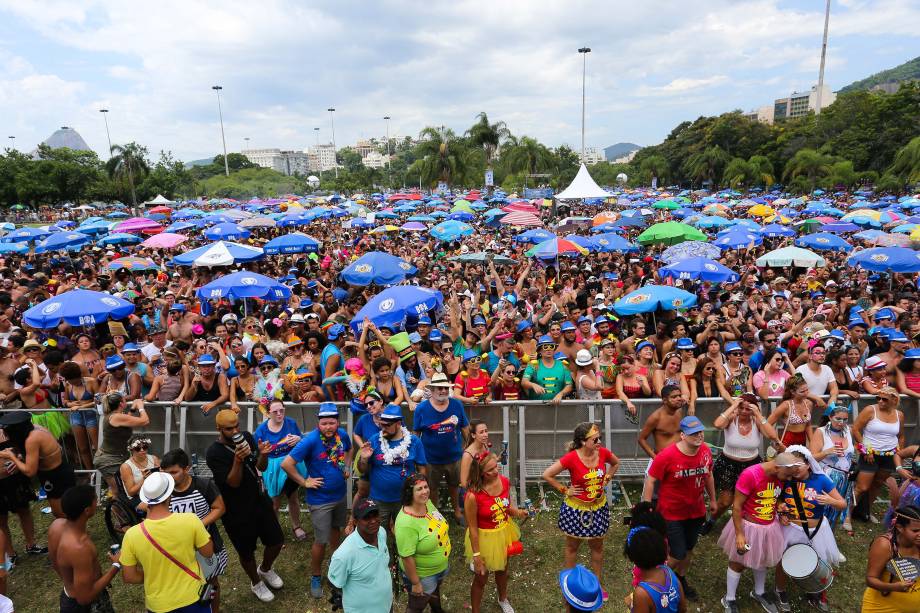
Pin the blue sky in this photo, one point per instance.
(282, 64)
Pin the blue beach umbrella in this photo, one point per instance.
(700, 268)
(394, 305)
(181, 227)
(239, 285)
(25, 235)
(450, 230)
(713, 221)
(78, 307)
(775, 230)
(19, 248)
(537, 235)
(378, 268)
(585, 241)
(651, 298)
(61, 241)
(839, 227)
(823, 241)
(627, 222)
(610, 242)
(119, 238)
(295, 242)
(690, 249)
(226, 231)
(886, 259)
(738, 239)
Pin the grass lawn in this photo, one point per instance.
(34, 587)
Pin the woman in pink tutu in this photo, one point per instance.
(754, 538)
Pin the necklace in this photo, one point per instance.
(335, 450)
(398, 453)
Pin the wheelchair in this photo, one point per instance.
(120, 513)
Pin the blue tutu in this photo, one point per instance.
(275, 477)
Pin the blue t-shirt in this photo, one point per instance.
(387, 479)
(755, 362)
(365, 427)
(440, 431)
(311, 451)
(279, 450)
(808, 493)
(493, 358)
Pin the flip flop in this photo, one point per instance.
(300, 534)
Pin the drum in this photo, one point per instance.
(802, 564)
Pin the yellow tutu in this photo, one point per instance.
(493, 545)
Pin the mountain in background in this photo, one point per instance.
(614, 152)
(203, 162)
(908, 71)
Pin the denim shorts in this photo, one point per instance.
(86, 418)
(429, 584)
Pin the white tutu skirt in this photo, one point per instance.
(824, 543)
(766, 541)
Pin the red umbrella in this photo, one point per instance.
(521, 218)
(521, 206)
(161, 209)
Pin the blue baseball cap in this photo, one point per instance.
(568, 326)
(177, 307)
(691, 425)
(327, 409)
(838, 334)
(511, 298)
(435, 336)
(114, 362)
(685, 343)
(207, 360)
(424, 320)
(857, 321)
(470, 354)
(611, 276)
(335, 331)
(733, 346)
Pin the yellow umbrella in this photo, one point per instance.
(915, 234)
(761, 210)
(776, 218)
(717, 209)
(874, 215)
(386, 228)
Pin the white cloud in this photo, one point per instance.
(282, 64)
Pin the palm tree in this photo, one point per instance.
(488, 136)
(441, 157)
(527, 155)
(707, 165)
(907, 162)
(654, 166)
(128, 162)
(842, 173)
(809, 164)
(763, 170)
(739, 172)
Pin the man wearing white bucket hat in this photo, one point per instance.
(801, 511)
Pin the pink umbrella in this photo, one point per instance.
(136, 224)
(521, 205)
(521, 218)
(165, 240)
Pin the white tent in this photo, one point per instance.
(158, 201)
(582, 186)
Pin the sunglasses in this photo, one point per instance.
(474, 360)
(735, 353)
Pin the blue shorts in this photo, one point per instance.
(85, 418)
(429, 584)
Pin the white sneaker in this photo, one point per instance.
(262, 592)
(271, 578)
(505, 606)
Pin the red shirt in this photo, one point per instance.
(682, 481)
(590, 480)
(492, 511)
(471, 387)
(507, 391)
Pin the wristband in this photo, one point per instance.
(475, 554)
(116, 566)
(763, 420)
(899, 468)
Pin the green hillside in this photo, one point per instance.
(905, 72)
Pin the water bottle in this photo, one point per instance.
(528, 506)
(503, 458)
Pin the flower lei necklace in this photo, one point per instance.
(335, 450)
(399, 452)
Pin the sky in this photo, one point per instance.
(439, 62)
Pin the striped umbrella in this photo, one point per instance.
(521, 218)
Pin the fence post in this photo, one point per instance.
(167, 427)
(183, 414)
(522, 455)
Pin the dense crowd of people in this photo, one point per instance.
(506, 325)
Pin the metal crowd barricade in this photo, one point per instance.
(536, 432)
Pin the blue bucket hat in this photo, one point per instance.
(568, 326)
(733, 346)
(335, 331)
(685, 343)
(546, 339)
(523, 325)
(327, 409)
(391, 413)
(479, 320)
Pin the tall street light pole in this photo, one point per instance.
(584, 51)
(246, 138)
(12, 142)
(105, 117)
(319, 158)
(220, 114)
(387, 119)
(827, 17)
(335, 158)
